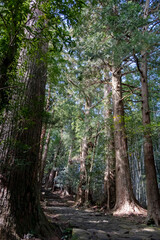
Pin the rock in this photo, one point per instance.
(100, 234)
(91, 230)
(80, 234)
(79, 220)
(103, 236)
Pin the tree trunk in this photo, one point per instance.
(83, 173)
(125, 201)
(44, 155)
(53, 172)
(19, 190)
(69, 185)
(44, 144)
(109, 174)
(20, 208)
(153, 196)
(84, 153)
(92, 151)
(44, 127)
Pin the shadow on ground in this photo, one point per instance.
(95, 225)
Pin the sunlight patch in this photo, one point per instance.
(149, 229)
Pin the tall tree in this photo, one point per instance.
(114, 54)
(109, 174)
(19, 189)
(125, 200)
(21, 179)
(153, 196)
(81, 195)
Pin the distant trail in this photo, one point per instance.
(89, 224)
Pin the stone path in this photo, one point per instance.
(87, 224)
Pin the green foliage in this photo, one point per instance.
(82, 46)
(13, 16)
(112, 32)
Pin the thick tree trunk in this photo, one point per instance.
(109, 174)
(21, 212)
(19, 190)
(20, 208)
(125, 201)
(44, 127)
(44, 143)
(153, 196)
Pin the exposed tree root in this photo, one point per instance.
(129, 208)
(132, 208)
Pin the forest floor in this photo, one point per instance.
(93, 224)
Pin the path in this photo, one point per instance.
(87, 224)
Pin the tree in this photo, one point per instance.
(125, 200)
(82, 187)
(115, 47)
(19, 188)
(109, 174)
(153, 196)
(113, 52)
(23, 153)
(44, 142)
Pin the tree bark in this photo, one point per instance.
(20, 208)
(84, 153)
(109, 174)
(153, 196)
(44, 155)
(125, 200)
(44, 143)
(53, 172)
(44, 127)
(92, 151)
(83, 173)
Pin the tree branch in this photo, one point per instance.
(126, 73)
(131, 93)
(137, 63)
(130, 86)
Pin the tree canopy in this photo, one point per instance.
(79, 108)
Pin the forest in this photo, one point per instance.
(79, 110)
